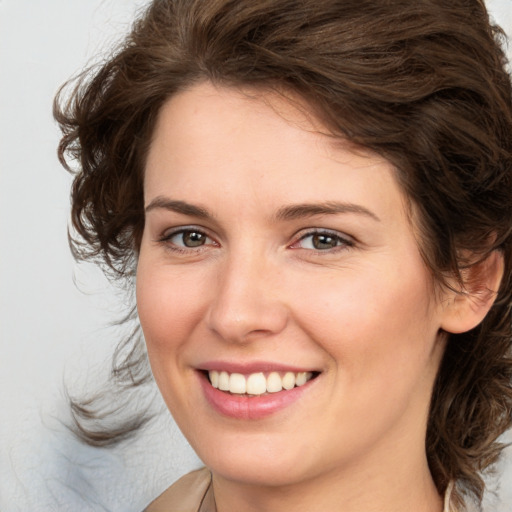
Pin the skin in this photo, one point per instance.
(363, 312)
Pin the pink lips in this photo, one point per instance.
(249, 407)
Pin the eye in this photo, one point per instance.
(183, 239)
(189, 239)
(322, 241)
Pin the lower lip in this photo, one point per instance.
(250, 408)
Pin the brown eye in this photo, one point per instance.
(184, 239)
(193, 238)
(322, 241)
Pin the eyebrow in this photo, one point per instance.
(178, 207)
(297, 211)
(291, 212)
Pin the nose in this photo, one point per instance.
(247, 302)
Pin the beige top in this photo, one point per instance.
(191, 493)
(194, 493)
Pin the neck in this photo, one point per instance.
(376, 486)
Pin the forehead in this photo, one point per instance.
(271, 106)
(231, 150)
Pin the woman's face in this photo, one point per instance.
(273, 254)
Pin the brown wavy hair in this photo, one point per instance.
(422, 83)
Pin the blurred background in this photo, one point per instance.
(54, 315)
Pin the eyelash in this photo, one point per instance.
(167, 237)
(342, 242)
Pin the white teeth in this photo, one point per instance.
(274, 383)
(224, 381)
(214, 378)
(237, 383)
(301, 378)
(289, 380)
(257, 383)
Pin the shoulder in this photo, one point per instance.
(185, 495)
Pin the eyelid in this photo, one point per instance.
(168, 234)
(346, 240)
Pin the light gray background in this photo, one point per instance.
(51, 332)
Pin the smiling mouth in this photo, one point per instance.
(259, 383)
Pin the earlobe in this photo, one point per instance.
(465, 309)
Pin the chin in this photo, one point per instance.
(263, 462)
(277, 473)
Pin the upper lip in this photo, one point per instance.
(252, 367)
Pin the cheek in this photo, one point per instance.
(380, 335)
(169, 306)
(373, 324)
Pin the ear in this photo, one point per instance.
(465, 308)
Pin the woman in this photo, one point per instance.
(315, 199)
